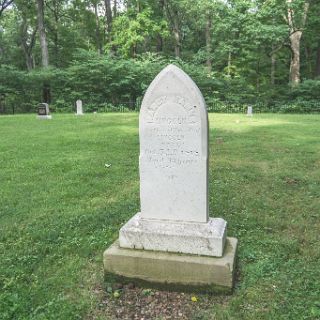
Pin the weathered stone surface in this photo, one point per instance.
(173, 162)
(43, 111)
(171, 270)
(79, 108)
(172, 241)
(173, 130)
(161, 235)
(49, 116)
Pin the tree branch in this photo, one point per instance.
(4, 4)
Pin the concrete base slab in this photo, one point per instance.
(172, 271)
(206, 239)
(44, 117)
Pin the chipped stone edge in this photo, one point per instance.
(206, 239)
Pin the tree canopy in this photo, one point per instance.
(107, 51)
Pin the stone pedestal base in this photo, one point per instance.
(45, 117)
(172, 271)
(206, 239)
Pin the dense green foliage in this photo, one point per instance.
(107, 52)
(60, 208)
(105, 85)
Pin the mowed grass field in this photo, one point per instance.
(61, 207)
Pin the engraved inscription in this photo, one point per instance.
(173, 125)
(181, 101)
(173, 149)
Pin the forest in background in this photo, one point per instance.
(264, 53)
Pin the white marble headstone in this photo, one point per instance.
(173, 134)
(79, 108)
(173, 130)
(249, 111)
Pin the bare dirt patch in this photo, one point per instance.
(130, 302)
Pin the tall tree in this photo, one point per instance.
(174, 17)
(55, 12)
(208, 40)
(27, 41)
(44, 48)
(317, 69)
(108, 11)
(42, 34)
(296, 18)
(95, 4)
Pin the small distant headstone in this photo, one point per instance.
(249, 111)
(79, 108)
(174, 217)
(43, 111)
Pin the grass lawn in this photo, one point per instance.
(61, 207)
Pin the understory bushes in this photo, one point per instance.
(105, 84)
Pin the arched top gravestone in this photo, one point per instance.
(43, 111)
(173, 130)
(173, 163)
(79, 108)
(172, 242)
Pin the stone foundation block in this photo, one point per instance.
(44, 117)
(172, 271)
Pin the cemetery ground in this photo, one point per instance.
(68, 184)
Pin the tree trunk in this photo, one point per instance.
(108, 16)
(208, 41)
(317, 70)
(159, 43)
(138, 6)
(294, 76)
(42, 34)
(258, 76)
(176, 34)
(115, 8)
(273, 68)
(27, 43)
(295, 38)
(159, 37)
(134, 50)
(172, 15)
(98, 40)
(4, 5)
(229, 64)
(28, 56)
(44, 48)
(56, 32)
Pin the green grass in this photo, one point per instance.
(60, 208)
